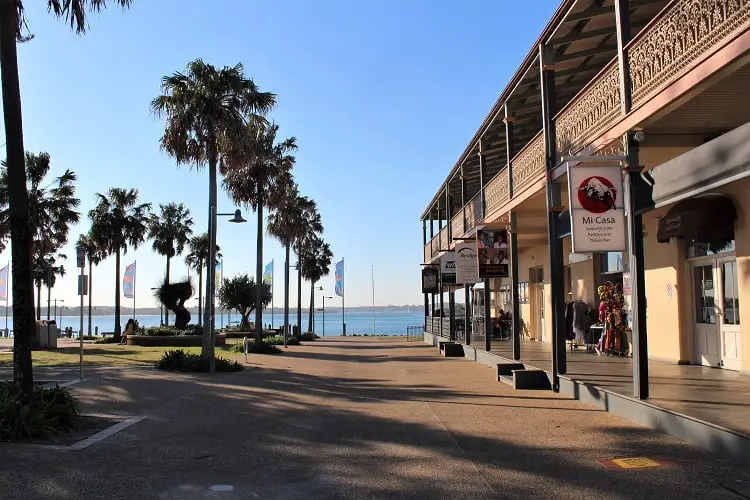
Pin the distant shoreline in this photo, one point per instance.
(154, 311)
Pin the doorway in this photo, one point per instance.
(716, 313)
(536, 302)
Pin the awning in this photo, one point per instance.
(705, 219)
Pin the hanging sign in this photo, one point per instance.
(492, 253)
(448, 268)
(595, 198)
(430, 279)
(467, 269)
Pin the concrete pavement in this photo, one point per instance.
(353, 418)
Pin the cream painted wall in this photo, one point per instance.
(582, 276)
(529, 258)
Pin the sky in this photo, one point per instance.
(382, 96)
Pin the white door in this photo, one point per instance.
(705, 324)
(539, 334)
(729, 319)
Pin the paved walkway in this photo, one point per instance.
(353, 418)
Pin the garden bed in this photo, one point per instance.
(172, 340)
(250, 335)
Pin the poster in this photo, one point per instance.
(467, 270)
(492, 253)
(597, 212)
(430, 279)
(448, 268)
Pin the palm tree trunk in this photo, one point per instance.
(312, 307)
(117, 295)
(258, 274)
(207, 346)
(49, 301)
(166, 309)
(299, 290)
(91, 288)
(200, 293)
(286, 291)
(24, 327)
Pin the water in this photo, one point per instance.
(357, 321)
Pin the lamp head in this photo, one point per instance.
(237, 217)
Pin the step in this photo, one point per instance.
(530, 379)
(506, 379)
(452, 350)
(442, 344)
(507, 369)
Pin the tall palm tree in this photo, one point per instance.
(46, 270)
(12, 23)
(257, 171)
(118, 222)
(205, 110)
(316, 263)
(52, 210)
(311, 227)
(170, 232)
(94, 255)
(197, 258)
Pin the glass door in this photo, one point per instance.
(705, 327)
(731, 348)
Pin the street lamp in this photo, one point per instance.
(324, 314)
(211, 280)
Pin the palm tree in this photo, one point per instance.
(311, 227)
(316, 263)
(52, 210)
(197, 258)
(205, 109)
(94, 255)
(257, 171)
(170, 232)
(118, 221)
(46, 270)
(12, 22)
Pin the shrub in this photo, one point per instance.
(279, 340)
(308, 336)
(106, 340)
(180, 361)
(166, 331)
(50, 411)
(265, 348)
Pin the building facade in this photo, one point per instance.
(656, 88)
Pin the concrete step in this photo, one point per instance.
(506, 379)
(507, 369)
(530, 379)
(452, 350)
(442, 344)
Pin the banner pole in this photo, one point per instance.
(135, 271)
(343, 301)
(273, 278)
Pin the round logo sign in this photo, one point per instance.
(597, 194)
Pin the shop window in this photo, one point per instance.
(703, 284)
(699, 249)
(536, 275)
(731, 293)
(611, 262)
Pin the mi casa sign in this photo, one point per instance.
(597, 212)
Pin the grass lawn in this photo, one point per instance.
(104, 355)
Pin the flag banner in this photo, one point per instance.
(268, 274)
(217, 276)
(128, 281)
(339, 287)
(4, 283)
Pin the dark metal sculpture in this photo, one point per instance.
(173, 296)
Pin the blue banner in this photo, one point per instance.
(128, 281)
(268, 274)
(4, 283)
(339, 287)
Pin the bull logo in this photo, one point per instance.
(597, 194)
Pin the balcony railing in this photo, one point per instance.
(681, 36)
(428, 251)
(528, 164)
(443, 240)
(457, 224)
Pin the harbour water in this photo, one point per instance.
(358, 321)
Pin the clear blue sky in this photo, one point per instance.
(382, 97)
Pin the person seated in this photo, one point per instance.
(129, 330)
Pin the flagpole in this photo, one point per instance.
(373, 297)
(135, 271)
(343, 301)
(221, 279)
(272, 294)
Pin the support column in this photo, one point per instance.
(467, 314)
(441, 310)
(482, 180)
(554, 207)
(463, 197)
(516, 312)
(634, 182)
(452, 315)
(510, 148)
(622, 25)
(487, 319)
(448, 217)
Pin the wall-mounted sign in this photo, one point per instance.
(492, 253)
(448, 268)
(596, 209)
(467, 270)
(575, 258)
(430, 279)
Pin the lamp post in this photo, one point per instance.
(161, 308)
(324, 314)
(62, 307)
(210, 320)
(313, 307)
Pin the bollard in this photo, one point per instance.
(246, 345)
(96, 331)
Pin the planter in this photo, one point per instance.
(250, 335)
(172, 340)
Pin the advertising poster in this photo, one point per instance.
(492, 253)
(597, 212)
(430, 279)
(467, 268)
(448, 268)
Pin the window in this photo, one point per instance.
(611, 262)
(730, 293)
(536, 275)
(698, 249)
(703, 284)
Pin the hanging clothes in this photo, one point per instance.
(569, 334)
(579, 320)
